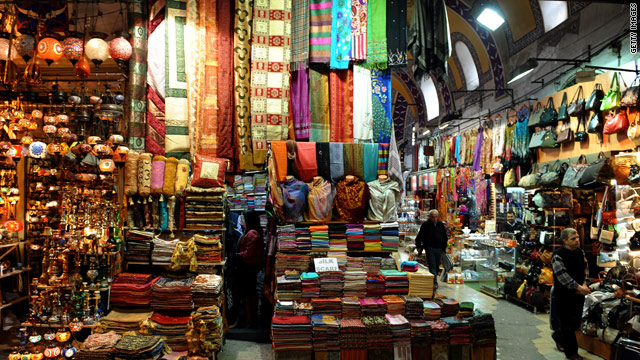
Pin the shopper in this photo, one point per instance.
(570, 272)
(432, 237)
(514, 226)
(251, 255)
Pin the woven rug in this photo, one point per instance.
(381, 105)
(319, 103)
(270, 55)
(341, 83)
(341, 34)
(359, 29)
(320, 31)
(155, 89)
(137, 75)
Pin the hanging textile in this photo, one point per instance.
(477, 150)
(340, 34)
(394, 164)
(323, 159)
(397, 33)
(138, 29)
(320, 31)
(270, 53)
(381, 105)
(242, 77)
(428, 37)
(156, 59)
(319, 102)
(377, 34)
(359, 29)
(196, 43)
(279, 156)
(353, 164)
(341, 83)
(362, 112)
(369, 161)
(299, 34)
(383, 157)
(301, 113)
(336, 153)
(225, 130)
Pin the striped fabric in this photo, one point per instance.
(359, 29)
(320, 30)
(299, 34)
(383, 158)
(155, 125)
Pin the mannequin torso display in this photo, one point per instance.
(385, 194)
(295, 194)
(352, 196)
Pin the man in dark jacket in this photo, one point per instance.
(514, 226)
(432, 237)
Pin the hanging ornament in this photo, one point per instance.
(50, 50)
(24, 45)
(72, 47)
(4, 49)
(82, 68)
(97, 49)
(120, 49)
(32, 73)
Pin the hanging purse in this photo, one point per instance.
(630, 94)
(549, 114)
(595, 99)
(616, 122)
(576, 106)
(554, 176)
(599, 173)
(510, 178)
(581, 136)
(606, 236)
(536, 139)
(574, 173)
(633, 132)
(566, 134)
(534, 118)
(549, 139)
(612, 99)
(563, 114)
(529, 181)
(595, 123)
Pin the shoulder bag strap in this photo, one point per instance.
(564, 99)
(550, 104)
(614, 79)
(582, 159)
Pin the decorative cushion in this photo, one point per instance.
(209, 171)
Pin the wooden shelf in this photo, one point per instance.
(20, 299)
(26, 324)
(167, 263)
(15, 273)
(548, 226)
(12, 244)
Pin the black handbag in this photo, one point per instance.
(549, 114)
(581, 136)
(594, 100)
(595, 123)
(576, 106)
(598, 173)
(563, 114)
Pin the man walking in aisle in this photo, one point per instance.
(570, 272)
(432, 237)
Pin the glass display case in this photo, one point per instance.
(488, 261)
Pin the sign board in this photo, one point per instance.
(326, 264)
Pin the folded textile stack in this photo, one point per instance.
(310, 285)
(331, 283)
(206, 290)
(291, 262)
(172, 293)
(483, 330)
(284, 308)
(303, 237)
(378, 332)
(355, 283)
(372, 237)
(439, 332)
(375, 285)
(286, 237)
(98, 346)
(395, 304)
(372, 265)
(139, 347)
(388, 263)
(341, 257)
(259, 183)
(330, 306)
(326, 333)
(466, 309)
(204, 333)
(409, 266)
(204, 208)
(350, 308)
(319, 237)
(162, 250)
(184, 255)
(431, 310)
(400, 329)
(353, 339)
(338, 237)
(291, 333)
(449, 307)
(373, 307)
(131, 289)
(414, 308)
(355, 263)
(421, 283)
(302, 309)
(355, 236)
(390, 236)
(459, 331)
(395, 282)
(288, 289)
(139, 245)
(420, 331)
(121, 321)
(173, 328)
(208, 248)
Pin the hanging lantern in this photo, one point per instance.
(25, 44)
(120, 155)
(49, 129)
(82, 68)
(4, 50)
(50, 50)
(36, 114)
(120, 49)
(97, 49)
(72, 48)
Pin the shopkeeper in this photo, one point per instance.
(514, 226)
(433, 238)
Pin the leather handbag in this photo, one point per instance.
(595, 99)
(549, 114)
(534, 118)
(574, 173)
(616, 122)
(630, 94)
(549, 140)
(581, 136)
(595, 123)
(612, 99)
(536, 139)
(554, 176)
(633, 132)
(563, 114)
(529, 181)
(599, 173)
(566, 134)
(576, 106)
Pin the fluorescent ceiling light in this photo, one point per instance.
(490, 18)
(426, 132)
(443, 126)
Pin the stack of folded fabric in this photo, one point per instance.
(319, 237)
(162, 250)
(331, 283)
(208, 248)
(289, 288)
(414, 308)
(338, 237)
(172, 294)
(139, 245)
(388, 263)
(375, 285)
(355, 283)
(328, 306)
(459, 331)
(326, 333)
(390, 237)
(353, 339)
(420, 331)
(132, 290)
(395, 304)
(204, 333)
(121, 321)
(310, 285)
(421, 283)
(184, 255)
(378, 332)
(373, 307)
(284, 308)
(372, 237)
(139, 347)
(171, 326)
(355, 263)
(291, 262)
(400, 332)
(372, 265)
(291, 333)
(355, 236)
(350, 308)
(286, 235)
(439, 332)
(483, 330)
(302, 309)
(341, 257)
(409, 266)
(395, 282)
(466, 309)
(450, 307)
(303, 237)
(204, 208)
(206, 290)
(98, 346)
(432, 311)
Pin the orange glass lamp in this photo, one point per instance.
(50, 50)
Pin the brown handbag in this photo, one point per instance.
(545, 256)
(566, 134)
(621, 166)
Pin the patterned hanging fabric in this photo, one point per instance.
(359, 29)
(319, 103)
(156, 59)
(340, 34)
(381, 105)
(383, 158)
(299, 34)
(138, 29)
(195, 41)
(341, 83)
(377, 34)
(225, 130)
(320, 31)
(362, 112)
(397, 33)
(301, 113)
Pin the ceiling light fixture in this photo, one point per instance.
(488, 15)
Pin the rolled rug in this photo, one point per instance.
(169, 182)
(182, 176)
(131, 174)
(144, 174)
(157, 174)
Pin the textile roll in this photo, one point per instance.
(182, 176)
(225, 130)
(301, 113)
(319, 102)
(154, 141)
(377, 34)
(306, 161)
(320, 31)
(136, 96)
(362, 118)
(336, 152)
(131, 174)
(169, 181)
(144, 174)
(341, 34)
(381, 105)
(299, 34)
(359, 29)
(279, 154)
(370, 161)
(341, 82)
(397, 33)
(157, 174)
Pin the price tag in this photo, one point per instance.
(326, 264)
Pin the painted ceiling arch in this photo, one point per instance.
(408, 104)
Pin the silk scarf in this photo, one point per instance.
(301, 113)
(359, 29)
(362, 117)
(306, 161)
(397, 33)
(341, 82)
(225, 130)
(381, 105)
(155, 109)
(279, 155)
(353, 160)
(320, 31)
(323, 160)
(336, 152)
(138, 29)
(377, 34)
(299, 34)
(370, 161)
(270, 53)
(319, 102)
(341, 34)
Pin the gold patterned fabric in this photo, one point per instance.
(351, 200)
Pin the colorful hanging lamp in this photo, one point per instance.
(4, 47)
(24, 44)
(72, 47)
(97, 49)
(50, 49)
(120, 48)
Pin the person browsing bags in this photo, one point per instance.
(570, 272)
(432, 237)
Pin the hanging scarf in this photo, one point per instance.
(341, 82)
(299, 34)
(353, 160)
(320, 31)
(377, 34)
(341, 34)
(362, 112)
(336, 152)
(369, 161)
(359, 29)
(300, 104)
(323, 159)
(383, 157)
(381, 105)
(197, 14)
(225, 129)
(394, 164)
(397, 33)
(319, 102)
(155, 122)
(137, 76)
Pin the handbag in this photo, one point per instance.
(595, 123)
(633, 132)
(574, 173)
(549, 114)
(622, 167)
(566, 134)
(554, 177)
(549, 139)
(536, 139)
(563, 114)
(529, 181)
(612, 99)
(607, 258)
(597, 174)
(616, 123)
(576, 106)
(630, 94)
(581, 136)
(534, 118)
(595, 99)
(510, 178)
(546, 275)
(606, 236)
(521, 289)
